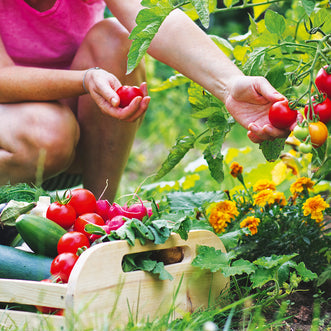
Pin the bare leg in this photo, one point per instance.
(27, 130)
(105, 142)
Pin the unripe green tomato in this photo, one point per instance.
(300, 132)
(305, 148)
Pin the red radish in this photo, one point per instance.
(137, 210)
(116, 222)
(102, 208)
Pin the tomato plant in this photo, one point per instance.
(321, 109)
(62, 266)
(323, 80)
(127, 94)
(72, 241)
(88, 218)
(318, 133)
(82, 200)
(281, 115)
(62, 214)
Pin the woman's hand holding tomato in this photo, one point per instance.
(102, 87)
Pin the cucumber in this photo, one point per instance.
(40, 234)
(18, 264)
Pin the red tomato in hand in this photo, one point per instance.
(82, 200)
(62, 214)
(89, 218)
(318, 133)
(323, 81)
(281, 116)
(323, 110)
(127, 94)
(72, 241)
(62, 266)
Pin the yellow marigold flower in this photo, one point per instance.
(236, 169)
(314, 207)
(300, 184)
(280, 198)
(264, 184)
(251, 223)
(264, 197)
(221, 214)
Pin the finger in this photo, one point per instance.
(143, 108)
(255, 139)
(143, 88)
(272, 132)
(264, 88)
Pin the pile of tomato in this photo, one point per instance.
(80, 207)
(312, 131)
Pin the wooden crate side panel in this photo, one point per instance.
(102, 286)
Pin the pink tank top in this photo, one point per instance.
(47, 39)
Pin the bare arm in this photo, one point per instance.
(181, 44)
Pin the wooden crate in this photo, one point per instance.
(99, 290)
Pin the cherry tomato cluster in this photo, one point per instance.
(78, 209)
(312, 131)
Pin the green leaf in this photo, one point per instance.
(210, 258)
(305, 273)
(239, 267)
(324, 276)
(171, 82)
(275, 23)
(273, 261)
(202, 8)
(261, 277)
(309, 6)
(188, 202)
(215, 164)
(254, 64)
(148, 21)
(276, 75)
(272, 149)
(177, 152)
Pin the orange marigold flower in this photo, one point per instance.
(280, 198)
(264, 197)
(300, 184)
(236, 169)
(314, 207)
(264, 184)
(251, 223)
(222, 214)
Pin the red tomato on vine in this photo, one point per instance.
(322, 110)
(281, 115)
(88, 218)
(323, 80)
(72, 241)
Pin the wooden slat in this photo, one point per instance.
(12, 319)
(33, 293)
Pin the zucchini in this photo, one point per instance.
(40, 234)
(18, 264)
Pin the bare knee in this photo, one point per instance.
(45, 139)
